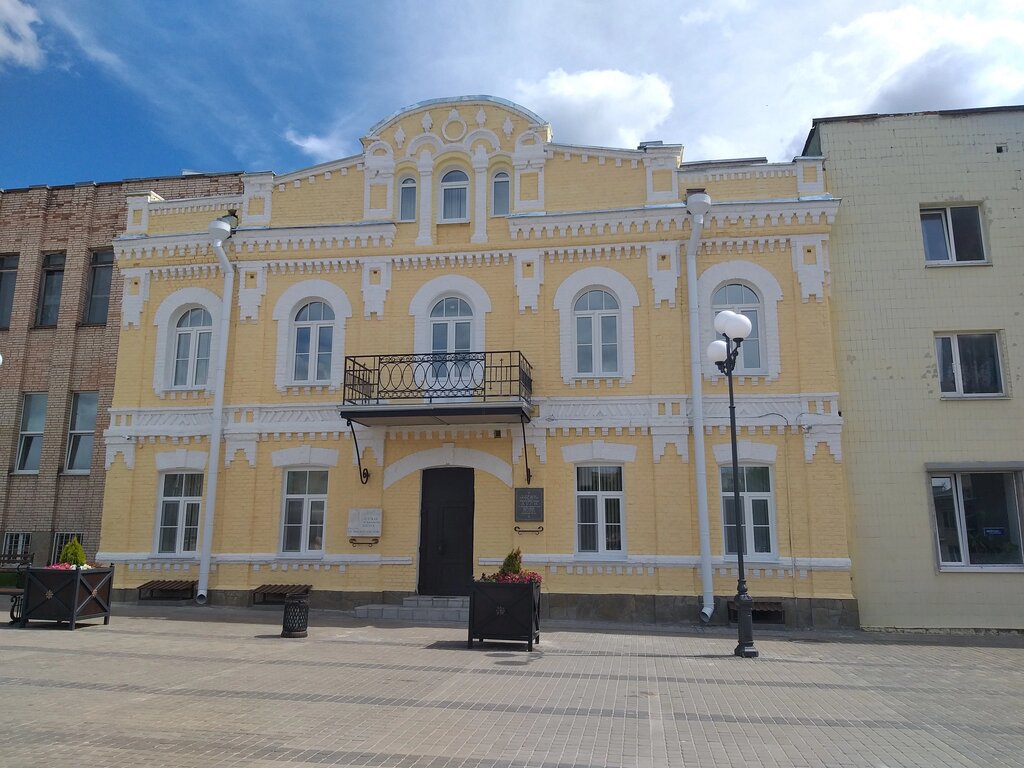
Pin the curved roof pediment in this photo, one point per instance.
(457, 103)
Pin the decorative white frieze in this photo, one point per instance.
(240, 442)
(529, 278)
(376, 281)
(536, 438)
(119, 444)
(370, 438)
(663, 268)
(134, 295)
(662, 436)
(695, 174)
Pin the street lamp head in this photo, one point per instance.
(717, 351)
(732, 324)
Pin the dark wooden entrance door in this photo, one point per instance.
(446, 531)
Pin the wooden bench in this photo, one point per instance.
(16, 564)
(277, 592)
(167, 589)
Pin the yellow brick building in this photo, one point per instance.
(512, 332)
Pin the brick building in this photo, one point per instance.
(60, 312)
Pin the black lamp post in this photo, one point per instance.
(735, 328)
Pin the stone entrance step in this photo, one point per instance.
(419, 609)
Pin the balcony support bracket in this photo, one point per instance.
(526, 451)
(364, 473)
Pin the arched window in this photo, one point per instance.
(499, 194)
(194, 330)
(451, 331)
(455, 196)
(739, 298)
(407, 200)
(596, 315)
(314, 342)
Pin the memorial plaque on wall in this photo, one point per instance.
(529, 505)
(364, 522)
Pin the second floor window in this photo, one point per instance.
(407, 200)
(968, 364)
(597, 333)
(101, 270)
(314, 339)
(8, 276)
(455, 196)
(742, 300)
(500, 197)
(451, 329)
(49, 289)
(192, 348)
(30, 440)
(81, 432)
(952, 234)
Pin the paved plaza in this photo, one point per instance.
(187, 686)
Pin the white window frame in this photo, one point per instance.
(27, 435)
(308, 500)
(958, 392)
(61, 539)
(80, 434)
(17, 543)
(946, 215)
(431, 292)
(194, 334)
(955, 476)
(600, 497)
(315, 327)
(407, 183)
(184, 501)
(446, 186)
(746, 502)
(594, 318)
(166, 320)
(285, 311)
(747, 308)
(501, 177)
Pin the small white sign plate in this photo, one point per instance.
(364, 522)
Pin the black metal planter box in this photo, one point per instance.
(504, 612)
(52, 594)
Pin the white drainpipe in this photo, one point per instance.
(697, 205)
(220, 230)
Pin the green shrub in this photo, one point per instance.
(513, 562)
(72, 553)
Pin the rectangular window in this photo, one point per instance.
(8, 276)
(305, 504)
(977, 518)
(952, 234)
(30, 440)
(968, 364)
(758, 511)
(180, 502)
(49, 289)
(407, 201)
(60, 540)
(101, 270)
(17, 543)
(80, 432)
(600, 504)
(454, 204)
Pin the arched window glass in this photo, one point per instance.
(455, 196)
(314, 342)
(499, 198)
(407, 200)
(739, 298)
(597, 315)
(194, 330)
(451, 329)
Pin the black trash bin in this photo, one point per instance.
(296, 615)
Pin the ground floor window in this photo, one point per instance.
(62, 539)
(304, 504)
(180, 501)
(758, 511)
(17, 543)
(977, 517)
(599, 510)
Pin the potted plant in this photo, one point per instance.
(69, 590)
(506, 605)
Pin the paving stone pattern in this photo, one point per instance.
(180, 686)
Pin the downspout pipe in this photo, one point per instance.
(220, 230)
(697, 206)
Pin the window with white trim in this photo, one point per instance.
(60, 540)
(455, 196)
(193, 333)
(977, 518)
(17, 543)
(451, 334)
(81, 431)
(30, 439)
(600, 510)
(597, 321)
(407, 199)
(758, 505)
(314, 343)
(305, 505)
(741, 299)
(500, 194)
(952, 234)
(181, 499)
(968, 364)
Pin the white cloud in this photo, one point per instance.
(602, 107)
(18, 42)
(331, 146)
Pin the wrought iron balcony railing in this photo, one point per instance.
(438, 377)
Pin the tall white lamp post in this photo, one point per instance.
(723, 352)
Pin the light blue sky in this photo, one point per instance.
(113, 89)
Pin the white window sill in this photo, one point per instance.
(955, 396)
(759, 559)
(943, 264)
(75, 473)
(952, 568)
(25, 472)
(596, 558)
(175, 557)
(310, 556)
(453, 221)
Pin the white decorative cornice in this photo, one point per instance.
(215, 205)
(708, 172)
